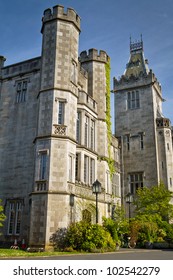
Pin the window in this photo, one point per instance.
(92, 171)
(89, 170)
(92, 135)
(86, 169)
(133, 100)
(86, 130)
(78, 127)
(136, 182)
(61, 107)
(43, 163)
(14, 217)
(116, 185)
(74, 72)
(70, 175)
(77, 168)
(141, 141)
(128, 142)
(21, 91)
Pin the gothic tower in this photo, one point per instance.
(144, 133)
(55, 144)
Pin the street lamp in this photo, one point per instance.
(129, 200)
(96, 187)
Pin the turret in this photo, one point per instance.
(58, 13)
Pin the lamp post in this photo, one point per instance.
(96, 188)
(129, 200)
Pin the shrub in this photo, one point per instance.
(58, 239)
(83, 236)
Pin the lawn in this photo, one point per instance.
(10, 253)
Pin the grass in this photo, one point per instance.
(11, 253)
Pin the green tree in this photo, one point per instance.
(2, 216)
(118, 225)
(154, 200)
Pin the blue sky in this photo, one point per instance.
(105, 25)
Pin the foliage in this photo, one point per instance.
(111, 227)
(154, 200)
(83, 236)
(109, 160)
(118, 225)
(2, 216)
(150, 228)
(58, 239)
(87, 237)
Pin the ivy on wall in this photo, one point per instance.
(110, 160)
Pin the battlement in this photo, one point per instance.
(142, 80)
(94, 54)
(58, 12)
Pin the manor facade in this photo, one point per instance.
(54, 135)
(55, 138)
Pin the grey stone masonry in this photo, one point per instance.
(145, 135)
(53, 136)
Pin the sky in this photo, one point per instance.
(105, 25)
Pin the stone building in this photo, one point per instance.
(143, 130)
(55, 135)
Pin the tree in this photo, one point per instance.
(2, 216)
(154, 200)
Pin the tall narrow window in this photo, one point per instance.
(70, 168)
(21, 91)
(136, 182)
(86, 169)
(74, 72)
(43, 163)
(92, 171)
(18, 217)
(61, 106)
(141, 141)
(128, 142)
(137, 99)
(86, 130)
(92, 136)
(78, 127)
(14, 217)
(133, 100)
(11, 220)
(77, 167)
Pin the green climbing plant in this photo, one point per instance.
(109, 160)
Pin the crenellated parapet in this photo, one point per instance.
(58, 12)
(143, 79)
(94, 55)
